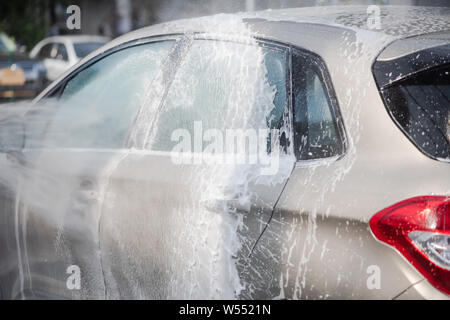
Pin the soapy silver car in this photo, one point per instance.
(96, 203)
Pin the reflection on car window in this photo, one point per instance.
(315, 129)
(224, 85)
(98, 105)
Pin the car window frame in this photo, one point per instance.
(288, 115)
(327, 84)
(183, 43)
(56, 91)
(260, 42)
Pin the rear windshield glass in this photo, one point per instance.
(82, 49)
(421, 107)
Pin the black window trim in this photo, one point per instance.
(273, 45)
(326, 81)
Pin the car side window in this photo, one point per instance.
(316, 131)
(223, 85)
(98, 105)
(61, 52)
(44, 53)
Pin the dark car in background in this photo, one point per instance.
(20, 76)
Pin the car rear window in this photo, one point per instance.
(416, 91)
(421, 106)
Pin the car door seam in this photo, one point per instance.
(271, 215)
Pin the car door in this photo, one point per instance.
(188, 203)
(309, 251)
(72, 144)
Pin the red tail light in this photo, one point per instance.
(419, 228)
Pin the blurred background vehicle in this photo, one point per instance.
(20, 75)
(61, 52)
(28, 22)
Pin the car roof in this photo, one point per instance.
(322, 30)
(399, 21)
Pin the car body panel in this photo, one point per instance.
(187, 227)
(55, 205)
(422, 290)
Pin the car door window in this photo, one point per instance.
(44, 53)
(224, 85)
(98, 105)
(316, 131)
(61, 52)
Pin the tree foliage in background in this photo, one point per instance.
(24, 20)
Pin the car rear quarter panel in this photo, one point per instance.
(318, 243)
